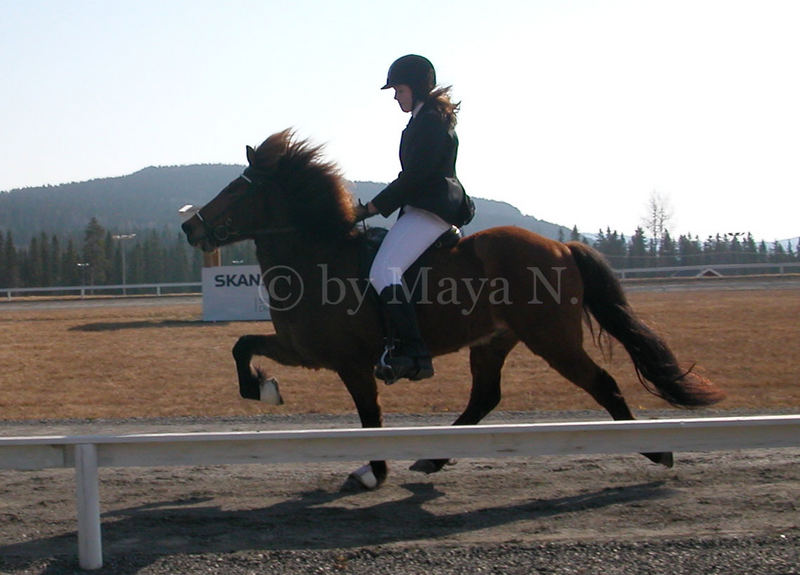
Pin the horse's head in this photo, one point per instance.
(240, 211)
(286, 188)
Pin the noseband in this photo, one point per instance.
(222, 232)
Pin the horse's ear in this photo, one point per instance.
(251, 156)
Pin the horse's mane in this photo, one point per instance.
(316, 194)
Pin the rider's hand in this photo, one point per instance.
(363, 211)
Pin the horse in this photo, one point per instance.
(489, 291)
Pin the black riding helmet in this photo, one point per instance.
(414, 71)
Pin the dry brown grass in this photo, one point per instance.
(162, 361)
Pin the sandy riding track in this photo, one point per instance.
(115, 362)
(726, 512)
(81, 371)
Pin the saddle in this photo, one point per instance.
(373, 237)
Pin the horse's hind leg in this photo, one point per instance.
(486, 362)
(576, 365)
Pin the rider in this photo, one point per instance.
(431, 200)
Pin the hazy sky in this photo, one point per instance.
(574, 111)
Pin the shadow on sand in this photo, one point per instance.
(136, 537)
(141, 324)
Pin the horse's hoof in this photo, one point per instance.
(667, 460)
(352, 485)
(362, 479)
(428, 466)
(664, 458)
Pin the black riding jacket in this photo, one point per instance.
(428, 151)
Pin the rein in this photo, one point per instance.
(222, 232)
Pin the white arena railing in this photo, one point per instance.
(663, 272)
(88, 453)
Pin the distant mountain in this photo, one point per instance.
(151, 197)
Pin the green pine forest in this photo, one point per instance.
(95, 256)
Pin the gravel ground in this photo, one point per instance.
(736, 555)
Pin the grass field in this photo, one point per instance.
(163, 361)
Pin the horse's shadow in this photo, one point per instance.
(142, 324)
(312, 521)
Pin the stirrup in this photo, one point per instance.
(383, 370)
(419, 368)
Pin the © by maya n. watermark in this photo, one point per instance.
(283, 288)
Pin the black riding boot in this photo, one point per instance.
(406, 355)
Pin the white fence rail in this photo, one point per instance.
(87, 453)
(82, 291)
(726, 270)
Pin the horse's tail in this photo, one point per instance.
(652, 358)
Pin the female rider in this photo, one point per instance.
(430, 199)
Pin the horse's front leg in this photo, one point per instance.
(253, 382)
(360, 382)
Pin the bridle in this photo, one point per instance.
(222, 232)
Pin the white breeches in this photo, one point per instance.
(409, 237)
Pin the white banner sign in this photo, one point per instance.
(231, 293)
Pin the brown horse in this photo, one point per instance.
(490, 291)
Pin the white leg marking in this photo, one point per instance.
(365, 476)
(269, 392)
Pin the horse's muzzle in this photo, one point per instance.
(196, 234)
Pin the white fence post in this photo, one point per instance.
(90, 546)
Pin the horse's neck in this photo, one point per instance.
(273, 252)
(298, 252)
